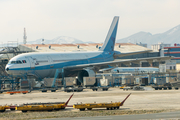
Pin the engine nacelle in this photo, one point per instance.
(85, 73)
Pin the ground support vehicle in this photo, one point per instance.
(102, 88)
(3, 108)
(108, 106)
(164, 86)
(127, 88)
(49, 88)
(14, 92)
(138, 88)
(73, 89)
(176, 85)
(1, 91)
(43, 106)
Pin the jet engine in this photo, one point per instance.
(85, 73)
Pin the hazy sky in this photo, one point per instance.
(86, 20)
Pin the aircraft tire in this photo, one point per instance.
(165, 88)
(24, 111)
(2, 110)
(50, 110)
(53, 90)
(44, 90)
(82, 109)
(12, 109)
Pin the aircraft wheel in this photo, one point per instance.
(82, 109)
(44, 91)
(107, 108)
(50, 110)
(170, 88)
(2, 110)
(24, 111)
(53, 90)
(89, 108)
(12, 109)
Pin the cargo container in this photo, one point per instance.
(89, 81)
(69, 81)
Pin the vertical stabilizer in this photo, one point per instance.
(111, 36)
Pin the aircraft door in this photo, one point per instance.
(31, 62)
(50, 61)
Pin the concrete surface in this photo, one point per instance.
(139, 100)
(160, 116)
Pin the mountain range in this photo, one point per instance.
(169, 37)
(57, 40)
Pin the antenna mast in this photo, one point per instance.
(24, 37)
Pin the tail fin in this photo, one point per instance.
(111, 36)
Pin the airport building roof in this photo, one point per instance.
(122, 47)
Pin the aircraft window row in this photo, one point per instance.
(59, 60)
(65, 60)
(18, 62)
(42, 61)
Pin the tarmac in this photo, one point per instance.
(156, 116)
(139, 100)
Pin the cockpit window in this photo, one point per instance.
(15, 62)
(18, 62)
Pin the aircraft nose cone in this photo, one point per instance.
(7, 69)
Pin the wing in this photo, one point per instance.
(97, 66)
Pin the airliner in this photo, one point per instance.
(81, 64)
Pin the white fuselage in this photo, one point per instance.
(45, 64)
